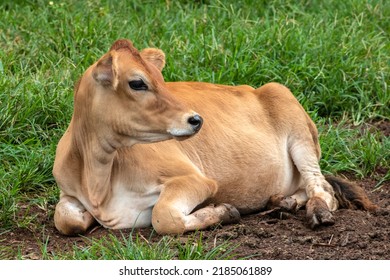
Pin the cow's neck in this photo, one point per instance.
(96, 157)
(89, 148)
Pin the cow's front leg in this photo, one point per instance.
(211, 215)
(70, 217)
(180, 196)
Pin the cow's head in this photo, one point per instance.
(124, 97)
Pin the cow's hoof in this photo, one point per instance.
(282, 204)
(289, 204)
(317, 213)
(231, 214)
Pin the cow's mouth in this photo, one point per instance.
(183, 137)
(182, 134)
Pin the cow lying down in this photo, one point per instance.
(184, 156)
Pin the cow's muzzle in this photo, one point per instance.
(189, 125)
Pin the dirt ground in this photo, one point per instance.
(355, 235)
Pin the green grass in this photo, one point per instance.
(334, 56)
(134, 246)
(357, 150)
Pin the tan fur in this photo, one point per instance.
(113, 164)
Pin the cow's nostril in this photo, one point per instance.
(196, 122)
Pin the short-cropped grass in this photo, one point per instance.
(333, 55)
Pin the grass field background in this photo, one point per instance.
(333, 55)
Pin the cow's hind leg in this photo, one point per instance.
(174, 211)
(70, 217)
(320, 194)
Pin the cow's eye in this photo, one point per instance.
(138, 85)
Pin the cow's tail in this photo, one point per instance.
(350, 195)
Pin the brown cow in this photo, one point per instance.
(257, 148)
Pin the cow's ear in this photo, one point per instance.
(154, 56)
(103, 71)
